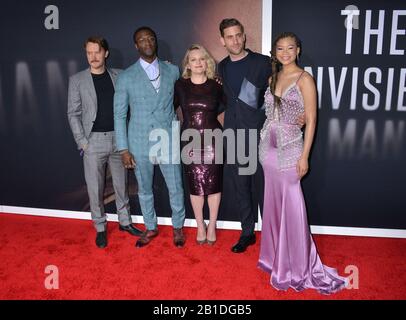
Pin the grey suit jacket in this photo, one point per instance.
(82, 104)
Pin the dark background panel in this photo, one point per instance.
(40, 166)
(357, 166)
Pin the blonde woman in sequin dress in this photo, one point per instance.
(201, 103)
(288, 252)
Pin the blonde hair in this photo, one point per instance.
(211, 65)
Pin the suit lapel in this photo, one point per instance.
(113, 77)
(164, 79)
(164, 83)
(90, 88)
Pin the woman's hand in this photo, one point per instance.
(302, 167)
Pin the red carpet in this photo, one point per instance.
(161, 271)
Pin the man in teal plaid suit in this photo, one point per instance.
(147, 88)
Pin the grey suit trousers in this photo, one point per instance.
(101, 151)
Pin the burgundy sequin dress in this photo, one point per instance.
(200, 105)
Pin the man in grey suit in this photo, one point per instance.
(147, 88)
(90, 115)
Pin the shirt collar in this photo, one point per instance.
(145, 65)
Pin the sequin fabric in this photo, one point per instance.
(201, 104)
(283, 119)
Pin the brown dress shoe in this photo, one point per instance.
(146, 238)
(178, 237)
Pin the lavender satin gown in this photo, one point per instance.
(287, 250)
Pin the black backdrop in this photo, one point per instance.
(358, 161)
(357, 167)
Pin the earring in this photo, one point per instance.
(297, 57)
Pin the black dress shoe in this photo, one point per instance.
(131, 230)
(178, 237)
(146, 238)
(243, 243)
(101, 239)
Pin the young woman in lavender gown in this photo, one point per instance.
(288, 252)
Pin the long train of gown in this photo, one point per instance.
(288, 251)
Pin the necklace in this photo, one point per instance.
(152, 80)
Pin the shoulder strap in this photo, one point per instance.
(300, 76)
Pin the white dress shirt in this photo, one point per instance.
(152, 71)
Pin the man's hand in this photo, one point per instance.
(128, 159)
(83, 149)
(301, 120)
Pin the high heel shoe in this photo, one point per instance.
(203, 241)
(211, 242)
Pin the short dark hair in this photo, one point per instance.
(143, 28)
(230, 22)
(99, 40)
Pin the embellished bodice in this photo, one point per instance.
(290, 108)
(282, 120)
